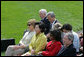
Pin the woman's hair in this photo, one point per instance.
(67, 27)
(57, 26)
(81, 35)
(41, 26)
(56, 34)
(32, 22)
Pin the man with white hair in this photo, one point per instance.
(43, 13)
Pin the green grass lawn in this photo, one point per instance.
(2, 53)
(15, 14)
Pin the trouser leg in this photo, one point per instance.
(9, 51)
(18, 51)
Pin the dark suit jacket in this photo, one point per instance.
(69, 51)
(47, 25)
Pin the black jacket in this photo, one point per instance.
(47, 25)
(69, 51)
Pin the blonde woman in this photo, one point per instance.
(14, 50)
(57, 26)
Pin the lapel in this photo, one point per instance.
(55, 21)
(61, 51)
(65, 49)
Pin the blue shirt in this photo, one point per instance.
(76, 42)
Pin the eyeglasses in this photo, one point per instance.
(28, 24)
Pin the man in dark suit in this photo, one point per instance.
(52, 19)
(67, 48)
(44, 20)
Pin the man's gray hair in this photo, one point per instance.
(43, 11)
(70, 36)
(51, 14)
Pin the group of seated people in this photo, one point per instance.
(47, 37)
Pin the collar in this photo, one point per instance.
(54, 21)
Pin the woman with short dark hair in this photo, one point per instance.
(38, 41)
(54, 45)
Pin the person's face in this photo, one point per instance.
(48, 35)
(37, 29)
(49, 18)
(66, 41)
(65, 31)
(30, 26)
(42, 15)
(51, 37)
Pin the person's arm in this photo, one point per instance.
(30, 47)
(27, 45)
(42, 43)
(76, 43)
(22, 46)
(53, 52)
(21, 41)
(31, 43)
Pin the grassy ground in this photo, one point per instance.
(2, 53)
(15, 14)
